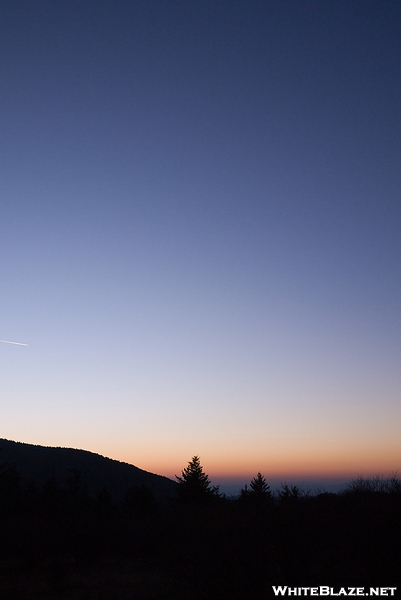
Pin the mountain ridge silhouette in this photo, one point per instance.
(35, 463)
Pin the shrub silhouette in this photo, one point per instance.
(375, 485)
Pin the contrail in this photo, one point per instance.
(17, 343)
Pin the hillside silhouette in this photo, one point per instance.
(60, 541)
(39, 464)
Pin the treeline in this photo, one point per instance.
(55, 497)
(58, 542)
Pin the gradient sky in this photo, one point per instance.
(200, 232)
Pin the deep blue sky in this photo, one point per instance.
(200, 231)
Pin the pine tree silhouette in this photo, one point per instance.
(259, 491)
(259, 487)
(194, 484)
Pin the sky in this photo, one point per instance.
(200, 233)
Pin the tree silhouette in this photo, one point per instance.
(139, 500)
(259, 486)
(259, 490)
(289, 494)
(194, 484)
(104, 502)
(10, 488)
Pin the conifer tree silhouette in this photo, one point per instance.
(194, 484)
(10, 488)
(259, 486)
(289, 494)
(259, 490)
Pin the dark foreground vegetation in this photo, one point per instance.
(58, 542)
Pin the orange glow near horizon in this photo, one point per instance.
(287, 456)
(305, 465)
